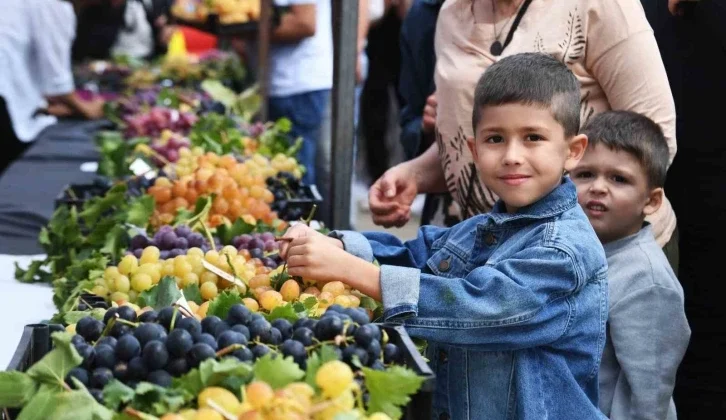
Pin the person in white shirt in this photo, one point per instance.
(35, 71)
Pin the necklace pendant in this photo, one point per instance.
(496, 48)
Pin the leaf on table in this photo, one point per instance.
(96, 207)
(286, 311)
(277, 372)
(74, 316)
(277, 280)
(391, 389)
(16, 389)
(220, 305)
(218, 92)
(368, 303)
(115, 242)
(156, 400)
(316, 360)
(193, 294)
(165, 293)
(54, 366)
(116, 394)
(213, 372)
(34, 273)
(140, 210)
(79, 405)
(41, 405)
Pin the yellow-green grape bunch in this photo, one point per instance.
(187, 163)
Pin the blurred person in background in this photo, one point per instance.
(36, 80)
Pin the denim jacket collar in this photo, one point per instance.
(561, 199)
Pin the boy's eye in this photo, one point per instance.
(583, 174)
(494, 139)
(619, 179)
(534, 137)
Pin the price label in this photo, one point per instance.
(183, 303)
(223, 274)
(139, 167)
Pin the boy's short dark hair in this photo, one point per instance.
(531, 79)
(635, 134)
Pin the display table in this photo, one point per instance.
(20, 304)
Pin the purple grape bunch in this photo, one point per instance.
(171, 242)
(258, 244)
(170, 149)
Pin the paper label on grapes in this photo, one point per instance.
(139, 167)
(230, 278)
(183, 302)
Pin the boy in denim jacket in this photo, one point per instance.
(512, 303)
(620, 182)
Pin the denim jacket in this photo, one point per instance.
(513, 307)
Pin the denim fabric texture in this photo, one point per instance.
(513, 306)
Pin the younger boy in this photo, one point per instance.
(512, 303)
(620, 182)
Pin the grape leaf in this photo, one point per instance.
(350, 415)
(368, 303)
(54, 366)
(161, 295)
(391, 389)
(277, 372)
(317, 359)
(227, 233)
(220, 93)
(34, 273)
(95, 208)
(279, 279)
(213, 372)
(193, 294)
(310, 303)
(76, 405)
(156, 400)
(285, 311)
(140, 211)
(114, 242)
(115, 394)
(41, 405)
(16, 389)
(219, 306)
(74, 316)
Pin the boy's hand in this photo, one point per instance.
(317, 257)
(302, 231)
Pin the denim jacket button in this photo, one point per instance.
(444, 416)
(490, 239)
(443, 358)
(444, 265)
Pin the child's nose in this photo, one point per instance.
(512, 154)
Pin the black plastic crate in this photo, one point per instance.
(301, 207)
(78, 194)
(420, 405)
(36, 342)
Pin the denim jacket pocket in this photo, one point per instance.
(445, 263)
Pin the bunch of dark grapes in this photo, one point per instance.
(257, 244)
(285, 187)
(171, 241)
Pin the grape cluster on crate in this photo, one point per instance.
(167, 147)
(157, 119)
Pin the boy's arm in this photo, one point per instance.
(649, 333)
(522, 302)
(297, 24)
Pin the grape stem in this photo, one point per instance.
(108, 327)
(229, 349)
(183, 310)
(7, 415)
(137, 414)
(226, 414)
(129, 323)
(173, 318)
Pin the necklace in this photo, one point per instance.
(497, 47)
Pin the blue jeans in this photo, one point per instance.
(305, 111)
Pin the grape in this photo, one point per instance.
(210, 323)
(77, 340)
(139, 242)
(165, 316)
(334, 378)
(303, 335)
(178, 367)
(146, 333)
(127, 348)
(275, 336)
(260, 350)
(183, 231)
(164, 255)
(244, 239)
(176, 252)
(271, 299)
(100, 377)
(155, 355)
(105, 356)
(377, 365)
(256, 243)
(359, 316)
(128, 265)
(296, 350)
(269, 262)
(120, 372)
(270, 246)
(260, 329)
(137, 253)
(160, 377)
(200, 352)
(391, 354)
(195, 240)
(191, 325)
(284, 326)
(365, 335)
(137, 369)
(328, 327)
(257, 253)
(181, 243)
(259, 394)
(89, 328)
(229, 337)
(243, 355)
(335, 308)
(106, 341)
(351, 352)
(127, 313)
(88, 353)
(238, 314)
(267, 236)
(78, 373)
(97, 395)
(374, 350)
(167, 240)
(207, 339)
(149, 316)
(119, 330)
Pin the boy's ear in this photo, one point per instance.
(655, 199)
(471, 142)
(576, 149)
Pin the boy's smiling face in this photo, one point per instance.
(521, 152)
(613, 190)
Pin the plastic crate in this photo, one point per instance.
(36, 343)
(420, 405)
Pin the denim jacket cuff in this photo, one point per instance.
(399, 290)
(354, 243)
